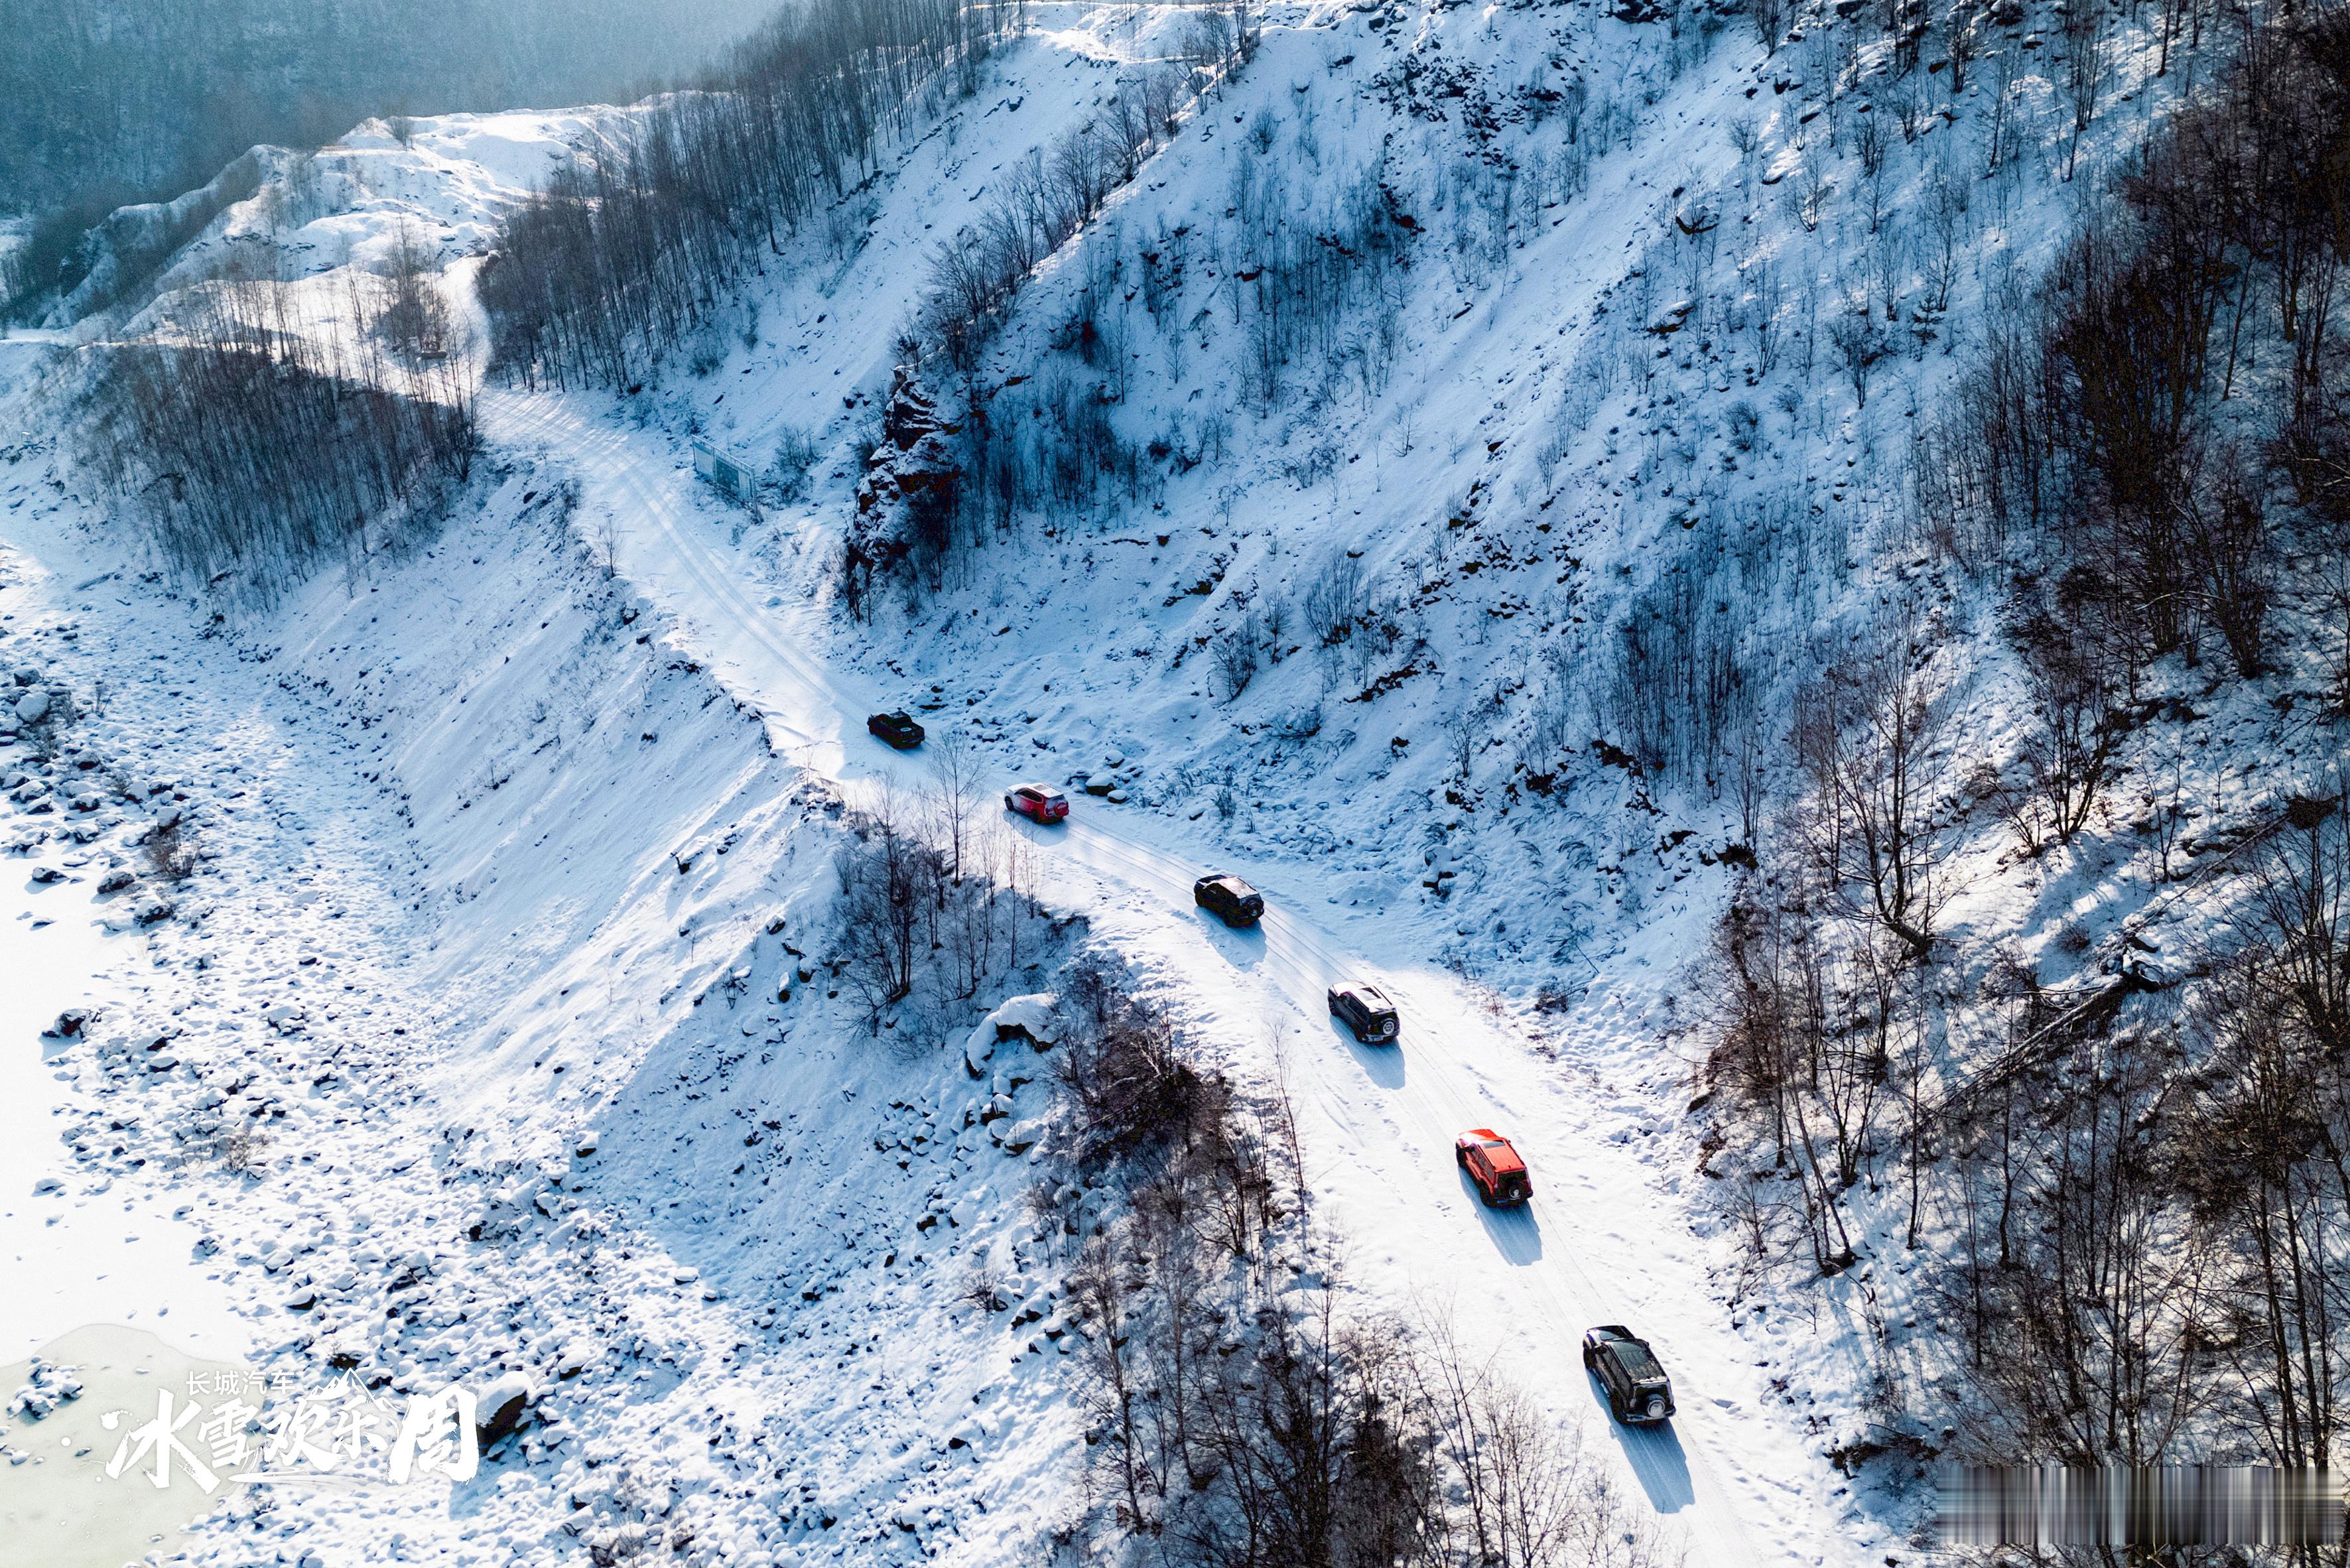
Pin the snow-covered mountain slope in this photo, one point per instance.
(317, 218)
(1592, 417)
(1604, 1242)
(516, 1075)
(1351, 604)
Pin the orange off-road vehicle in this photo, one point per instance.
(1494, 1166)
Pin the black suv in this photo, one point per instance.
(898, 729)
(1229, 898)
(1364, 1009)
(1638, 1392)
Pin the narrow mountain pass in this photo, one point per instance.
(1599, 1242)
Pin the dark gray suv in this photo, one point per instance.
(1638, 1392)
(1364, 1009)
(1229, 898)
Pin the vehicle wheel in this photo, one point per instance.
(1008, 806)
(1461, 1157)
(1587, 1358)
(1614, 1406)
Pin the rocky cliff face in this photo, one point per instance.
(907, 490)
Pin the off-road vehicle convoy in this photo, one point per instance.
(898, 729)
(1229, 898)
(1038, 802)
(1638, 1392)
(1364, 1009)
(1493, 1163)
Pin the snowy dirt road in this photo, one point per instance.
(1603, 1241)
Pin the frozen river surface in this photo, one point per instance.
(73, 1251)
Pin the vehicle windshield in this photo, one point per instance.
(1638, 1364)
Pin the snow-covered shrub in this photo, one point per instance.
(1129, 1086)
(934, 904)
(171, 850)
(1233, 658)
(1299, 723)
(796, 454)
(1742, 422)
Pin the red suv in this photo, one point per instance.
(1494, 1166)
(1038, 802)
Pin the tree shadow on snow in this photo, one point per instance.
(1655, 1455)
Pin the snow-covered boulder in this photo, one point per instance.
(49, 1386)
(501, 1408)
(978, 1049)
(1028, 1018)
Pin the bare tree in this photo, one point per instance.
(882, 902)
(1335, 600)
(1869, 736)
(954, 791)
(2068, 750)
(1853, 334)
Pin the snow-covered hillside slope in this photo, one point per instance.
(1349, 616)
(459, 1072)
